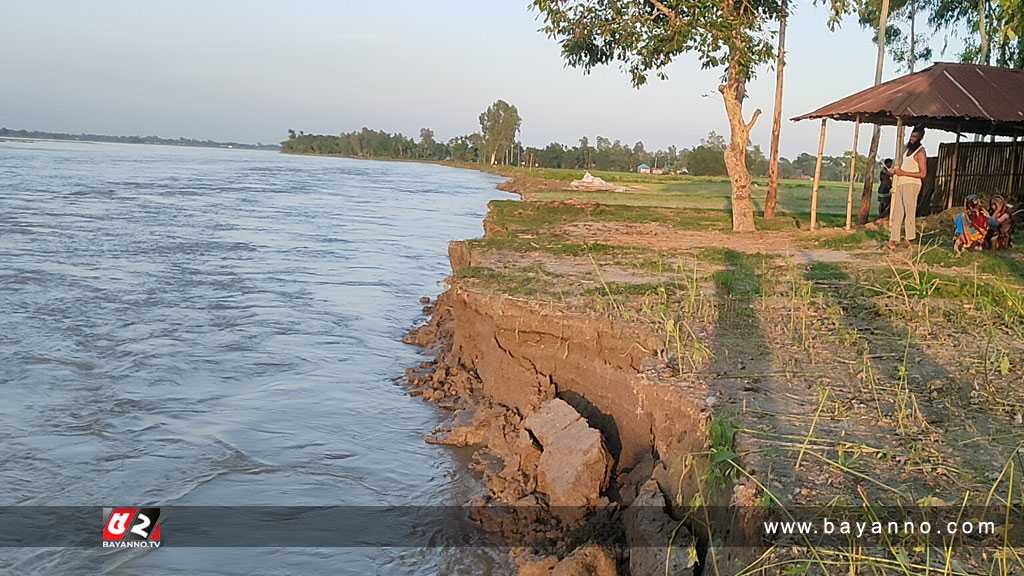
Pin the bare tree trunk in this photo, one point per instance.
(733, 93)
(869, 166)
(771, 200)
(983, 44)
(911, 60)
(913, 38)
(983, 38)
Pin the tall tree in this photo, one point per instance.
(499, 124)
(992, 30)
(585, 152)
(427, 142)
(1010, 33)
(908, 48)
(984, 37)
(708, 158)
(772, 198)
(899, 37)
(869, 167)
(645, 37)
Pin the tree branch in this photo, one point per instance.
(672, 16)
(753, 119)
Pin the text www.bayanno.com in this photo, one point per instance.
(869, 529)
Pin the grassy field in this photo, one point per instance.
(567, 174)
(675, 191)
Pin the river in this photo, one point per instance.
(189, 326)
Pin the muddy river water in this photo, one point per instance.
(184, 326)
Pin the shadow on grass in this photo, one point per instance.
(885, 341)
(740, 361)
(739, 345)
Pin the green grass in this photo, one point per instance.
(676, 191)
(548, 244)
(794, 196)
(1008, 265)
(826, 272)
(721, 440)
(794, 203)
(632, 289)
(994, 297)
(849, 241)
(739, 280)
(569, 174)
(528, 281)
(514, 216)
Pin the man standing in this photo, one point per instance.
(907, 181)
(885, 188)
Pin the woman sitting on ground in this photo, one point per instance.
(1000, 223)
(970, 226)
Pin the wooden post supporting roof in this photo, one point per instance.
(853, 174)
(956, 166)
(898, 158)
(817, 176)
(1014, 161)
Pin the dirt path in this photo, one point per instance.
(661, 237)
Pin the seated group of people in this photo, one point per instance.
(977, 228)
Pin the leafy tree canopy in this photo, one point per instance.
(499, 125)
(647, 36)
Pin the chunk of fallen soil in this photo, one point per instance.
(584, 561)
(574, 463)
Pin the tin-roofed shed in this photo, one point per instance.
(957, 98)
(948, 96)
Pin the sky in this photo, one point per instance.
(248, 70)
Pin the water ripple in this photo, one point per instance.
(188, 326)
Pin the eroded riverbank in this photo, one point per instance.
(609, 358)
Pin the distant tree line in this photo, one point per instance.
(705, 159)
(364, 143)
(497, 143)
(84, 137)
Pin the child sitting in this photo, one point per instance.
(1000, 223)
(970, 226)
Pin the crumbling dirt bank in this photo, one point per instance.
(569, 415)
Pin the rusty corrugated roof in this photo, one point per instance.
(949, 96)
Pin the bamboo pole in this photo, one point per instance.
(898, 158)
(956, 166)
(817, 175)
(1014, 160)
(853, 174)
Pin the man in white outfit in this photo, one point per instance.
(909, 177)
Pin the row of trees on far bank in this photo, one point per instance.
(367, 143)
(496, 144)
(704, 159)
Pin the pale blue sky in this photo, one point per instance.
(249, 70)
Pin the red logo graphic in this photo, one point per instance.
(131, 527)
